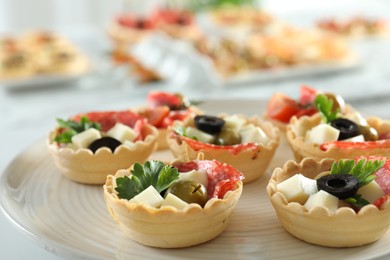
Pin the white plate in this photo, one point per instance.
(71, 219)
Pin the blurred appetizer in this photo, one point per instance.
(89, 146)
(331, 134)
(40, 53)
(248, 144)
(357, 26)
(173, 205)
(332, 203)
(163, 109)
(15, 61)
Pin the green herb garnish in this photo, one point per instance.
(72, 128)
(154, 173)
(363, 170)
(325, 107)
(357, 201)
(181, 130)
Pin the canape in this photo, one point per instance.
(90, 146)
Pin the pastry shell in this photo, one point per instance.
(344, 228)
(169, 227)
(297, 129)
(83, 166)
(252, 163)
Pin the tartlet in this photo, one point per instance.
(85, 166)
(297, 129)
(252, 159)
(169, 227)
(343, 228)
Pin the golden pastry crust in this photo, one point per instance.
(169, 227)
(252, 163)
(344, 228)
(297, 129)
(83, 166)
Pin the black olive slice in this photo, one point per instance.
(209, 124)
(107, 141)
(340, 185)
(346, 127)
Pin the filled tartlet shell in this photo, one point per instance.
(83, 166)
(252, 164)
(344, 228)
(169, 227)
(297, 129)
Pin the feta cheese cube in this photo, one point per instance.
(201, 136)
(371, 191)
(253, 134)
(356, 117)
(194, 175)
(293, 190)
(358, 138)
(122, 133)
(322, 133)
(234, 122)
(85, 138)
(174, 201)
(149, 196)
(322, 199)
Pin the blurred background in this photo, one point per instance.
(62, 57)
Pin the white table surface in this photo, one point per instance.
(28, 115)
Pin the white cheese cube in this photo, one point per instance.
(358, 138)
(309, 185)
(122, 133)
(253, 134)
(201, 136)
(174, 201)
(322, 133)
(194, 175)
(149, 196)
(85, 138)
(371, 191)
(322, 199)
(292, 189)
(234, 122)
(356, 117)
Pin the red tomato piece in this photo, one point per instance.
(175, 116)
(379, 202)
(307, 95)
(282, 108)
(159, 98)
(156, 115)
(221, 176)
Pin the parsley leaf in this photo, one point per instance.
(72, 128)
(363, 170)
(325, 107)
(154, 173)
(357, 201)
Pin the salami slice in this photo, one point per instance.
(107, 119)
(221, 176)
